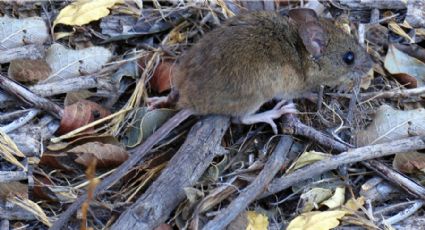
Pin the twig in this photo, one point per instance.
(65, 86)
(405, 213)
(20, 121)
(351, 156)
(249, 194)
(139, 153)
(397, 93)
(29, 97)
(292, 125)
(389, 174)
(9, 176)
(353, 100)
(183, 170)
(28, 51)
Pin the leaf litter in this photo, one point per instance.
(112, 38)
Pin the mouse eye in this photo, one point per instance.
(348, 57)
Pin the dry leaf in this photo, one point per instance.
(411, 162)
(162, 77)
(74, 97)
(9, 189)
(84, 11)
(312, 198)
(256, 221)
(355, 204)
(68, 63)
(316, 220)
(164, 227)
(31, 207)
(107, 155)
(57, 161)
(390, 124)
(80, 114)
(19, 32)
(8, 150)
(336, 200)
(29, 71)
(397, 62)
(393, 26)
(146, 122)
(307, 158)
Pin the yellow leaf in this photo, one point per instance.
(256, 221)
(316, 220)
(308, 158)
(84, 11)
(8, 149)
(60, 35)
(355, 204)
(337, 199)
(313, 197)
(398, 30)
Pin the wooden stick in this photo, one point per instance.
(139, 153)
(29, 97)
(248, 195)
(390, 174)
(351, 156)
(183, 170)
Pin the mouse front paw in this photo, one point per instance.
(157, 102)
(268, 116)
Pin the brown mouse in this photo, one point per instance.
(249, 60)
(256, 57)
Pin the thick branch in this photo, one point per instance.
(249, 194)
(351, 156)
(183, 170)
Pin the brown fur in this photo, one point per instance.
(255, 57)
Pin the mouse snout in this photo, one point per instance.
(364, 65)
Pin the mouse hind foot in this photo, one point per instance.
(164, 101)
(268, 116)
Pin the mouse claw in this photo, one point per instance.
(268, 116)
(156, 102)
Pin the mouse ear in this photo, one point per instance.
(309, 29)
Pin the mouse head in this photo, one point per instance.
(335, 56)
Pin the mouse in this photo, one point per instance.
(260, 56)
(251, 59)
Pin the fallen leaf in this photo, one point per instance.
(79, 140)
(8, 150)
(68, 63)
(393, 26)
(316, 220)
(80, 114)
(74, 97)
(313, 197)
(390, 124)
(397, 62)
(57, 161)
(18, 32)
(29, 71)
(355, 204)
(8, 189)
(411, 162)
(31, 207)
(307, 158)
(164, 227)
(162, 77)
(336, 200)
(144, 124)
(82, 12)
(256, 221)
(107, 155)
